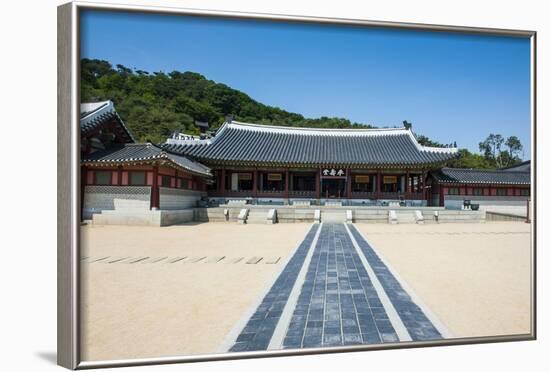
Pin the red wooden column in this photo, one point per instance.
(317, 185)
(155, 188)
(83, 180)
(348, 183)
(286, 183)
(423, 182)
(119, 175)
(222, 182)
(378, 183)
(255, 183)
(408, 183)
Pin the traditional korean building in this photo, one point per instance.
(273, 163)
(501, 187)
(121, 179)
(261, 164)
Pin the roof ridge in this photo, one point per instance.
(498, 170)
(284, 127)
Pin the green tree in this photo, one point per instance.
(153, 105)
(514, 147)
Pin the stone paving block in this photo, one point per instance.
(175, 259)
(389, 337)
(214, 259)
(194, 259)
(293, 342)
(273, 260)
(234, 260)
(136, 260)
(332, 339)
(254, 260)
(99, 259)
(370, 337)
(154, 260)
(353, 339)
(115, 260)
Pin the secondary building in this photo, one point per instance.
(494, 189)
(122, 180)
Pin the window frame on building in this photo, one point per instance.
(131, 174)
(524, 192)
(501, 191)
(451, 190)
(106, 173)
(165, 180)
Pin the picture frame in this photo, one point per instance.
(70, 183)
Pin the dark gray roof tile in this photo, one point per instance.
(254, 144)
(144, 152)
(482, 176)
(95, 114)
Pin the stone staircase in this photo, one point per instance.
(257, 216)
(405, 216)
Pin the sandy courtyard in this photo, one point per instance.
(163, 309)
(474, 277)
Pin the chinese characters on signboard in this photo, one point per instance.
(333, 172)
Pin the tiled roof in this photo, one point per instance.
(521, 167)
(143, 153)
(254, 144)
(481, 176)
(94, 114)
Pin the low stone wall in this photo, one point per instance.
(456, 201)
(144, 217)
(496, 216)
(178, 199)
(291, 214)
(104, 198)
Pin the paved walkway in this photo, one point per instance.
(335, 290)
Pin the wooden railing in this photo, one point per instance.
(302, 194)
(387, 195)
(312, 194)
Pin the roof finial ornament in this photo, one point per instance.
(228, 118)
(407, 125)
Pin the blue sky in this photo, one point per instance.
(451, 87)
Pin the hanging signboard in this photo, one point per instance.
(245, 176)
(274, 177)
(390, 179)
(333, 173)
(362, 179)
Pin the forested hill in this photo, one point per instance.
(154, 105)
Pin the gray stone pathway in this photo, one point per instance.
(417, 323)
(337, 303)
(258, 331)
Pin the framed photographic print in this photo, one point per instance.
(235, 185)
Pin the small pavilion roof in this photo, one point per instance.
(144, 153)
(482, 176)
(255, 144)
(95, 114)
